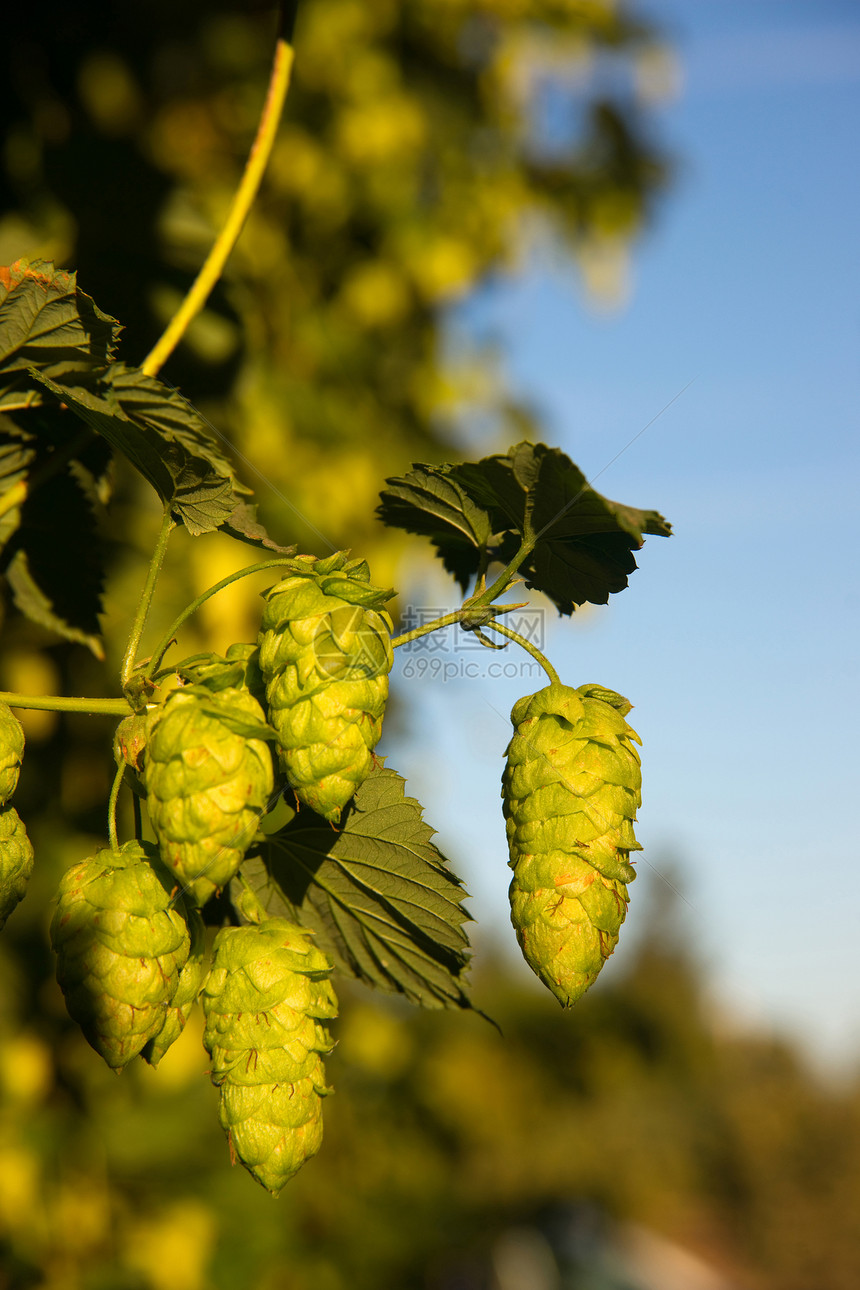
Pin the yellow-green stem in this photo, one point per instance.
(528, 647)
(242, 202)
(146, 597)
(59, 703)
(162, 646)
(501, 584)
(114, 794)
(434, 626)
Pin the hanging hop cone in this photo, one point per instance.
(121, 944)
(16, 861)
(325, 655)
(570, 790)
(11, 752)
(265, 1000)
(188, 987)
(238, 669)
(207, 781)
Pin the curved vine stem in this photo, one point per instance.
(164, 644)
(528, 647)
(114, 794)
(461, 615)
(146, 597)
(447, 621)
(243, 200)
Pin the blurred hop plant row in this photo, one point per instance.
(427, 144)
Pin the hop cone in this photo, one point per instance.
(121, 945)
(239, 668)
(325, 655)
(16, 862)
(206, 784)
(265, 999)
(188, 987)
(11, 752)
(570, 793)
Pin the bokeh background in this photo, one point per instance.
(628, 230)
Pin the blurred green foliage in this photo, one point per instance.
(426, 143)
(642, 1104)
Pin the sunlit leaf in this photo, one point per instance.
(379, 895)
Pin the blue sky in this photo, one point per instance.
(736, 640)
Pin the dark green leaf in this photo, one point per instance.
(582, 541)
(169, 443)
(52, 561)
(17, 453)
(47, 323)
(430, 502)
(55, 341)
(378, 894)
(243, 524)
(162, 436)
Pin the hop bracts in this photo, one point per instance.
(325, 656)
(570, 789)
(188, 987)
(11, 752)
(207, 783)
(121, 944)
(265, 1000)
(16, 861)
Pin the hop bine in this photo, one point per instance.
(265, 999)
(121, 943)
(325, 655)
(570, 790)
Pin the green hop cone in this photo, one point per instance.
(265, 1000)
(570, 790)
(11, 752)
(325, 655)
(16, 862)
(207, 783)
(239, 669)
(121, 944)
(188, 987)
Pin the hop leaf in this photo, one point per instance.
(189, 985)
(264, 1001)
(121, 944)
(325, 655)
(570, 790)
(16, 861)
(206, 784)
(11, 752)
